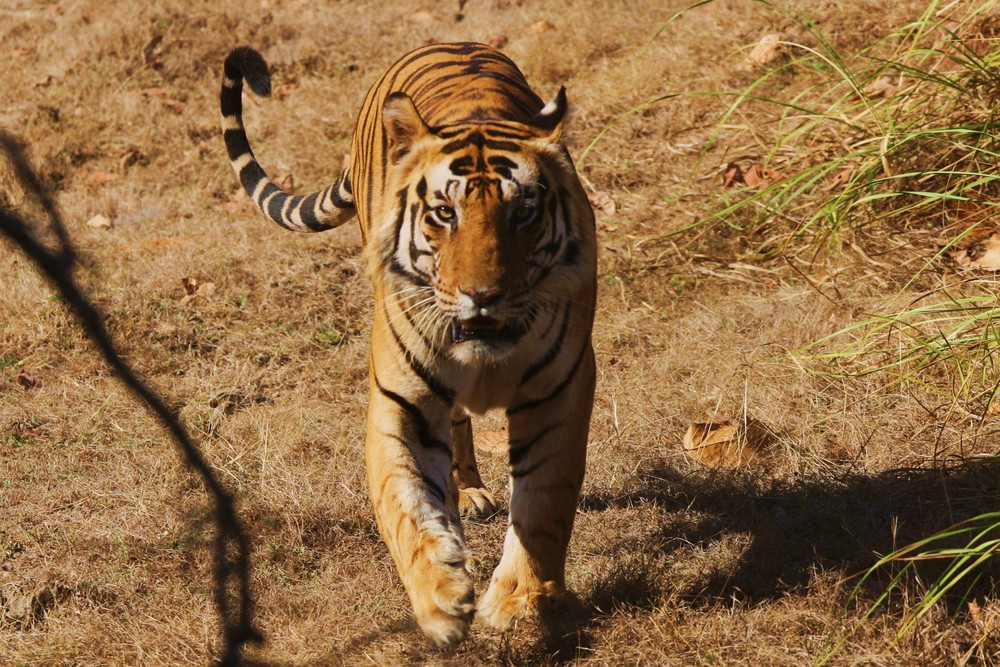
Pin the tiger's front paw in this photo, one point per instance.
(476, 504)
(443, 598)
(506, 602)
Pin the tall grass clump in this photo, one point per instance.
(945, 342)
(896, 141)
(964, 549)
(900, 141)
(900, 135)
(892, 149)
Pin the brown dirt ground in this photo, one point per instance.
(677, 564)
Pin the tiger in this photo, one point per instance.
(479, 243)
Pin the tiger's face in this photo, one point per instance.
(479, 246)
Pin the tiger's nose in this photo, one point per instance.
(482, 297)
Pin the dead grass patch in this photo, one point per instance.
(675, 564)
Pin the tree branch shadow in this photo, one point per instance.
(233, 599)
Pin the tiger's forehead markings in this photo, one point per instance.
(483, 174)
(478, 138)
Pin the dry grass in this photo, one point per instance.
(677, 564)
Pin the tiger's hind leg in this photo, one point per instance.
(548, 443)
(474, 501)
(409, 462)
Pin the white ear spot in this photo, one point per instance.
(549, 108)
(549, 119)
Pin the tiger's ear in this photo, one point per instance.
(550, 118)
(403, 125)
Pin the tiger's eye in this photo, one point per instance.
(523, 213)
(444, 213)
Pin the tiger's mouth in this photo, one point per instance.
(483, 328)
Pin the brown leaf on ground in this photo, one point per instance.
(840, 178)
(539, 28)
(175, 105)
(284, 90)
(758, 175)
(755, 175)
(494, 441)
(168, 243)
(975, 612)
(287, 183)
(26, 381)
(237, 201)
(884, 86)
(131, 157)
(732, 176)
(23, 610)
(195, 288)
(102, 178)
(496, 40)
(962, 38)
(25, 429)
(983, 254)
(767, 49)
(728, 444)
(100, 222)
(602, 201)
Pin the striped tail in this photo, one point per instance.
(316, 212)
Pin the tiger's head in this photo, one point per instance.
(488, 231)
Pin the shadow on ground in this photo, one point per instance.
(801, 526)
(796, 528)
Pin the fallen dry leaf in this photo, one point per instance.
(24, 610)
(130, 157)
(494, 442)
(602, 201)
(758, 175)
(975, 612)
(287, 183)
(102, 178)
(728, 444)
(158, 244)
(732, 176)
(99, 222)
(25, 380)
(284, 90)
(539, 27)
(983, 255)
(839, 179)
(238, 200)
(194, 288)
(190, 285)
(496, 40)
(884, 86)
(767, 49)
(175, 105)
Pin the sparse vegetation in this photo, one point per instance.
(799, 240)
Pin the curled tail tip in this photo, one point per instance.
(246, 63)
